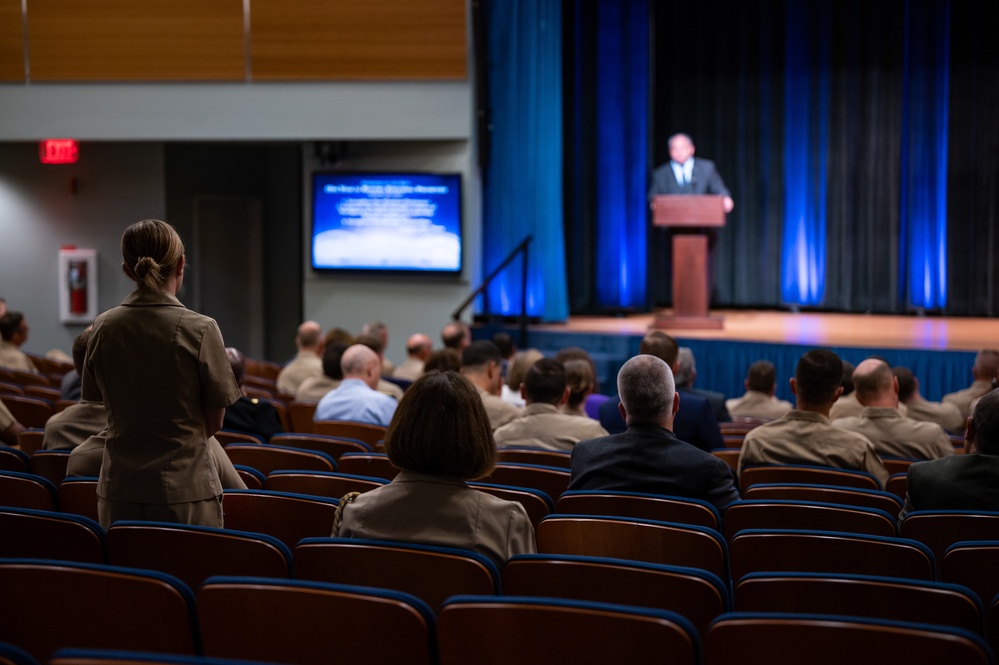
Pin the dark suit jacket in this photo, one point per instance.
(717, 401)
(704, 179)
(957, 482)
(695, 422)
(254, 416)
(649, 458)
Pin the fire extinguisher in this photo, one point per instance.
(77, 286)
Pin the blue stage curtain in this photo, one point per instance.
(523, 179)
(924, 152)
(622, 76)
(806, 141)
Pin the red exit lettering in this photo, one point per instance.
(58, 151)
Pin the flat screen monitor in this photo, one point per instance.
(387, 222)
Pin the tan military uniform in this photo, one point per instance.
(849, 405)
(12, 357)
(757, 404)
(544, 426)
(315, 388)
(894, 435)
(6, 418)
(74, 425)
(410, 369)
(807, 437)
(962, 398)
(945, 414)
(500, 412)
(390, 389)
(305, 364)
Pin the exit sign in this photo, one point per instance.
(58, 151)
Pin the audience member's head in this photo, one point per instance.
(816, 382)
(377, 329)
(332, 358)
(443, 360)
(516, 369)
(762, 377)
(504, 342)
(662, 346)
(908, 386)
(847, 381)
(14, 328)
(686, 367)
(309, 336)
(568, 353)
(875, 384)
(440, 428)
(986, 365)
(151, 253)
(419, 346)
(983, 428)
(339, 336)
(237, 361)
(456, 335)
(80, 349)
(648, 394)
(360, 362)
(372, 342)
(482, 363)
(580, 379)
(545, 383)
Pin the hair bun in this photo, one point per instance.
(144, 266)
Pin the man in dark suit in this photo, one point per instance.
(695, 423)
(648, 457)
(685, 174)
(686, 374)
(961, 482)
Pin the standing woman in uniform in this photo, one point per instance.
(163, 376)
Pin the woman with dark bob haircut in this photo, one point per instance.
(439, 437)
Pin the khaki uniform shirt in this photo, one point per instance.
(894, 435)
(849, 405)
(85, 460)
(440, 510)
(157, 367)
(390, 389)
(12, 357)
(6, 418)
(315, 388)
(962, 398)
(945, 414)
(410, 369)
(500, 412)
(305, 364)
(74, 425)
(807, 437)
(757, 404)
(544, 426)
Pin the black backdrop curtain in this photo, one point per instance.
(719, 72)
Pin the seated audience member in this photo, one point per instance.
(694, 423)
(581, 382)
(14, 331)
(686, 375)
(541, 424)
(514, 374)
(315, 388)
(379, 330)
(307, 361)
(86, 459)
(985, 369)
(356, 399)
(481, 363)
(593, 400)
(505, 344)
(804, 435)
(443, 360)
(76, 423)
(648, 457)
(456, 335)
(9, 427)
(418, 349)
(249, 414)
(339, 336)
(759, 401)
(439, 438)
(892, 434)
(848, 405)
(69, 388)
(386, 387)
(961, 482)
(945, 414)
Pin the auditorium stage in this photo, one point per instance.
(939, 350)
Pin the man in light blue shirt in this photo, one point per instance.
(356, 399)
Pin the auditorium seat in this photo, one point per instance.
(348, 429)
(14, 655)
(321, 483)
(765, 639)
(227, 436)
(537, 504)
(252, 478)
(50, 464)
(71, 656)
(783, 514)
(30, 378)
(637, 540)
(896, 485)
(728, 455)
(499, 630)
(313, 623)
(972, 563)
(643, 506)
(800, 473)
(428, 572)
(939, 529)
(78, 496)
(897, 464)
(301, 416)
(268, 458)
(331, 445)
(695, 594)
(42, 392)
(31, 440)
(26, 490)
(12, 459)
(539, 456)
(29, 411)
(286, 516)
(550, 480)
(43, 534)
(9, 388)
(367, 464)
(847, 496)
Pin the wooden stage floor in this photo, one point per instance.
(819, 329)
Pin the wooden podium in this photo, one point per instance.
(691, 282)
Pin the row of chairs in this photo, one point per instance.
(305, 622)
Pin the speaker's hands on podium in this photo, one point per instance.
(728, 203)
